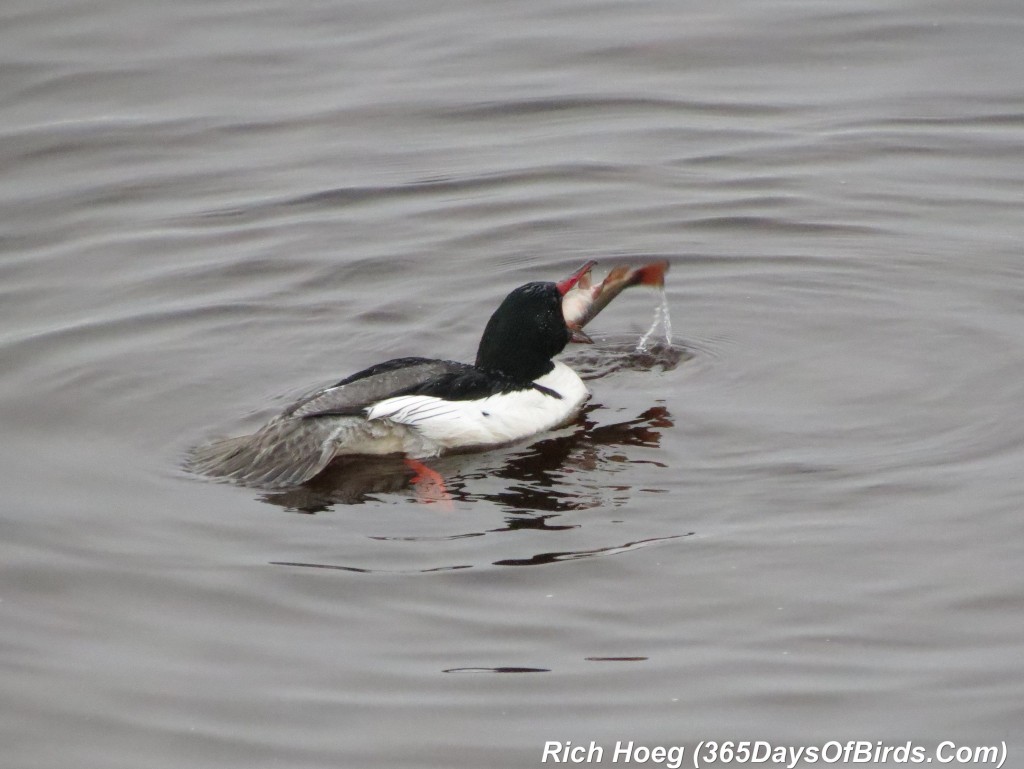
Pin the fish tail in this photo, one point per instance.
(650, 275)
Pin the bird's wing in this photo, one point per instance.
(353, 395)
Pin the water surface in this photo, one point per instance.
(806, 527)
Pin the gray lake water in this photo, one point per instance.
(810, 529)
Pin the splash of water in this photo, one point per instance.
(661, 320)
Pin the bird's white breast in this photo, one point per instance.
(496, 419)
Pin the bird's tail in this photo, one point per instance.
(285, 452)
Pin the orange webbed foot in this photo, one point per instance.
(429, 485)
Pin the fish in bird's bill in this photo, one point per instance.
(586, 299)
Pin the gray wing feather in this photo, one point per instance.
(294, 447)
(285, 452)
(352, 397)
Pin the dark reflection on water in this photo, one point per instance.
(347, 481)
(359, 570)
(542, 559)
(518, 669)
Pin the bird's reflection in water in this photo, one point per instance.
(537, 486)
(536, 475)
(535, 495)
(532, 500)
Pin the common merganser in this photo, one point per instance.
(421, 407)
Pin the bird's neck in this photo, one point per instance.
(523, 368)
